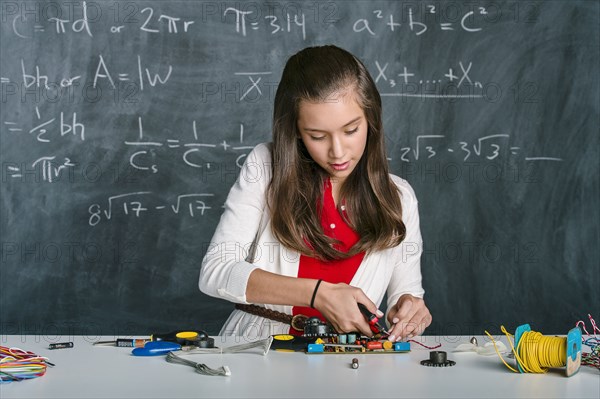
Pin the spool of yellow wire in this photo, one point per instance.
(536, 353)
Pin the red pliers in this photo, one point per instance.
(373, 320)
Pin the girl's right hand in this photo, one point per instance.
(338, 303)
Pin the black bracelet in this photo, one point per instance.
(312, 300)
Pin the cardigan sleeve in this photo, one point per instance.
(225, 272)
(406, 276)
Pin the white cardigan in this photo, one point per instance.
(225, 271)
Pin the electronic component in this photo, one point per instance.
(61, 345)
(314, 327)
(320, 339)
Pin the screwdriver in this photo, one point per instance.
(124, 343)
(373, 320)
(183, 337)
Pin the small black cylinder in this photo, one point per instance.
(437, 357)
(61, 345)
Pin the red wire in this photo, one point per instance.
(423, 345)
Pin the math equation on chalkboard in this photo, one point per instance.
(155, 89)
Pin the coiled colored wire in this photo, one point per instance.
(592, 358)
(535, 352)
(17, 364)
(538, 353)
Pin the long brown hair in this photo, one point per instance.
(371, 198)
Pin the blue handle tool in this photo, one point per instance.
(156, 348)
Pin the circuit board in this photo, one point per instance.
(337, 344)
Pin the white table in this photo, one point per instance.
(88, 371)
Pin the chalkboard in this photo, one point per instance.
(124, 125)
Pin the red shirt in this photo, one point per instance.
(335, 271)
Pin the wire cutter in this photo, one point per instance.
(373, 320)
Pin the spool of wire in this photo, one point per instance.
(536, 353)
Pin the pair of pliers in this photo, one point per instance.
(373, 320)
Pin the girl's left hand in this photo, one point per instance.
(408, 317)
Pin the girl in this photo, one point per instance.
(315, 224)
